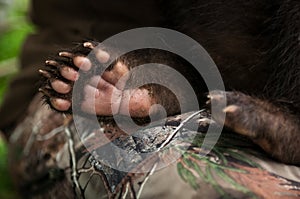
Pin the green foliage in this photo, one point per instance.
(11, 40)
(193, 167)
(3, 85)
(6, 188)
(13, 29)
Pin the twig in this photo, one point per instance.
(146, 179)
(74, 173)
(173, 134)
(31, 139)
(126, 191)
(50, 134)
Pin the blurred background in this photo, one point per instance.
(14, 26)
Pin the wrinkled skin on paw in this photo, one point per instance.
(103, 95)
(114, 91)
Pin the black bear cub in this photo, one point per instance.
(255, 45)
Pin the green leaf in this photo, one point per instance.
(187, 176)
(241, 157)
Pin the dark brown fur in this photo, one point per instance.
(255, 45)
